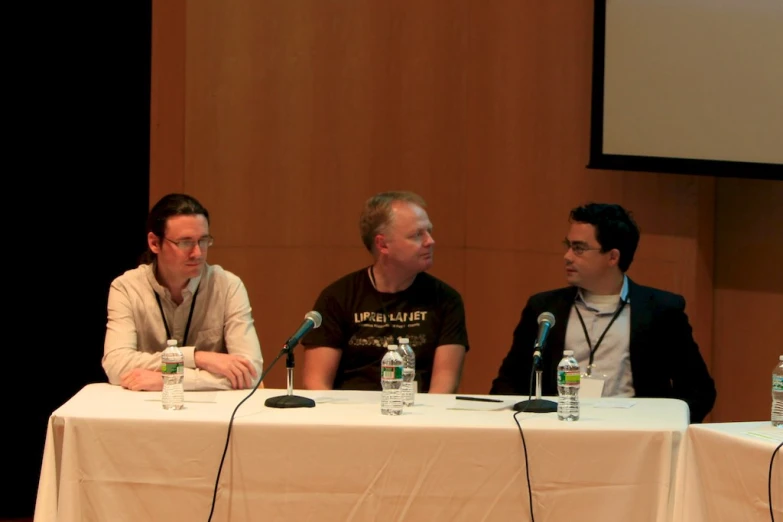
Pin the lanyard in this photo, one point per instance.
(587, 337)
(383, 305)
(380, 297)
(190, 316)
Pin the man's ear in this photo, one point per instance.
(380, 243)
(153, 242)
(614, 257)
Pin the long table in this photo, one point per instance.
(116, 455)
(724, 473)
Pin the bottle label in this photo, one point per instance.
(777, 383)
(391, 372)
(568, 377)
(171, 368)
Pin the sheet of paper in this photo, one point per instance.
(590, 388)
(614, 403)
(773, 434)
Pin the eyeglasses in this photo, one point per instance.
(186, 245)
(577, 248)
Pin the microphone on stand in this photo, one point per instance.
(546, 321)
(289, 400)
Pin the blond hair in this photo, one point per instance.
(377, 213)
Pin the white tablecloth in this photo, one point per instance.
(115, 455)
(724, 473)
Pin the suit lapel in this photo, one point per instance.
(641, 316)
(561, 307)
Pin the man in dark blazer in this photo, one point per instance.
(637, 340)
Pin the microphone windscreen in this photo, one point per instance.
(315, 317)
(548, 317)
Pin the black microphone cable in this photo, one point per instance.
(231, 423)
(769, 482)
(524, 444)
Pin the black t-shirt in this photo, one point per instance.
(361, 322)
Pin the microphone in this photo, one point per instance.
(538, 405)
(311, 320)
(545, 323)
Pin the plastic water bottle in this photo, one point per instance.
(408, 372)
(777, 395)
(173, 369)
(568, 381)
(391, 381)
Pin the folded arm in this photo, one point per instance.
(239, 368)
(242, 365)
(121, 353)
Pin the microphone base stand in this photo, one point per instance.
(537, 405)
(289, 400)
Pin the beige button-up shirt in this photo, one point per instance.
(136, 334)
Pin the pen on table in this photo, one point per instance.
(480, 399)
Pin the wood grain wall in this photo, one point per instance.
(283, 116)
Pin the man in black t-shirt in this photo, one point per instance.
(366, 310)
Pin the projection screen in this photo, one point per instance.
(688, 86)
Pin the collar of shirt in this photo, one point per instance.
(623, 294)
(188, 291)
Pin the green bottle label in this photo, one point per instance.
(568, 378)
(777, 383)
(170, 368)
(391, 372)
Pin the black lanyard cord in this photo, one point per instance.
(190, 316)
(387, 317)
(587, 336)
(380, 294)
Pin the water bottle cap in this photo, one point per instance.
(403, 340)
(171, 342)
(568, 352)
(392, 347)
(781, 357)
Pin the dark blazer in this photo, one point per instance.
(665, 360)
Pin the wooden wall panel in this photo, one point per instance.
(298, 111)
(748, 296)
(167, 98)
(293, 113)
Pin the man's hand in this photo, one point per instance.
(238, 370)
(142, 380)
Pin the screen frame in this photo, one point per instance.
(603, 161)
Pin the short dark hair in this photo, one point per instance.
(168, 206)
(614, 228)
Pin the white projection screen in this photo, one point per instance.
(688, 86)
